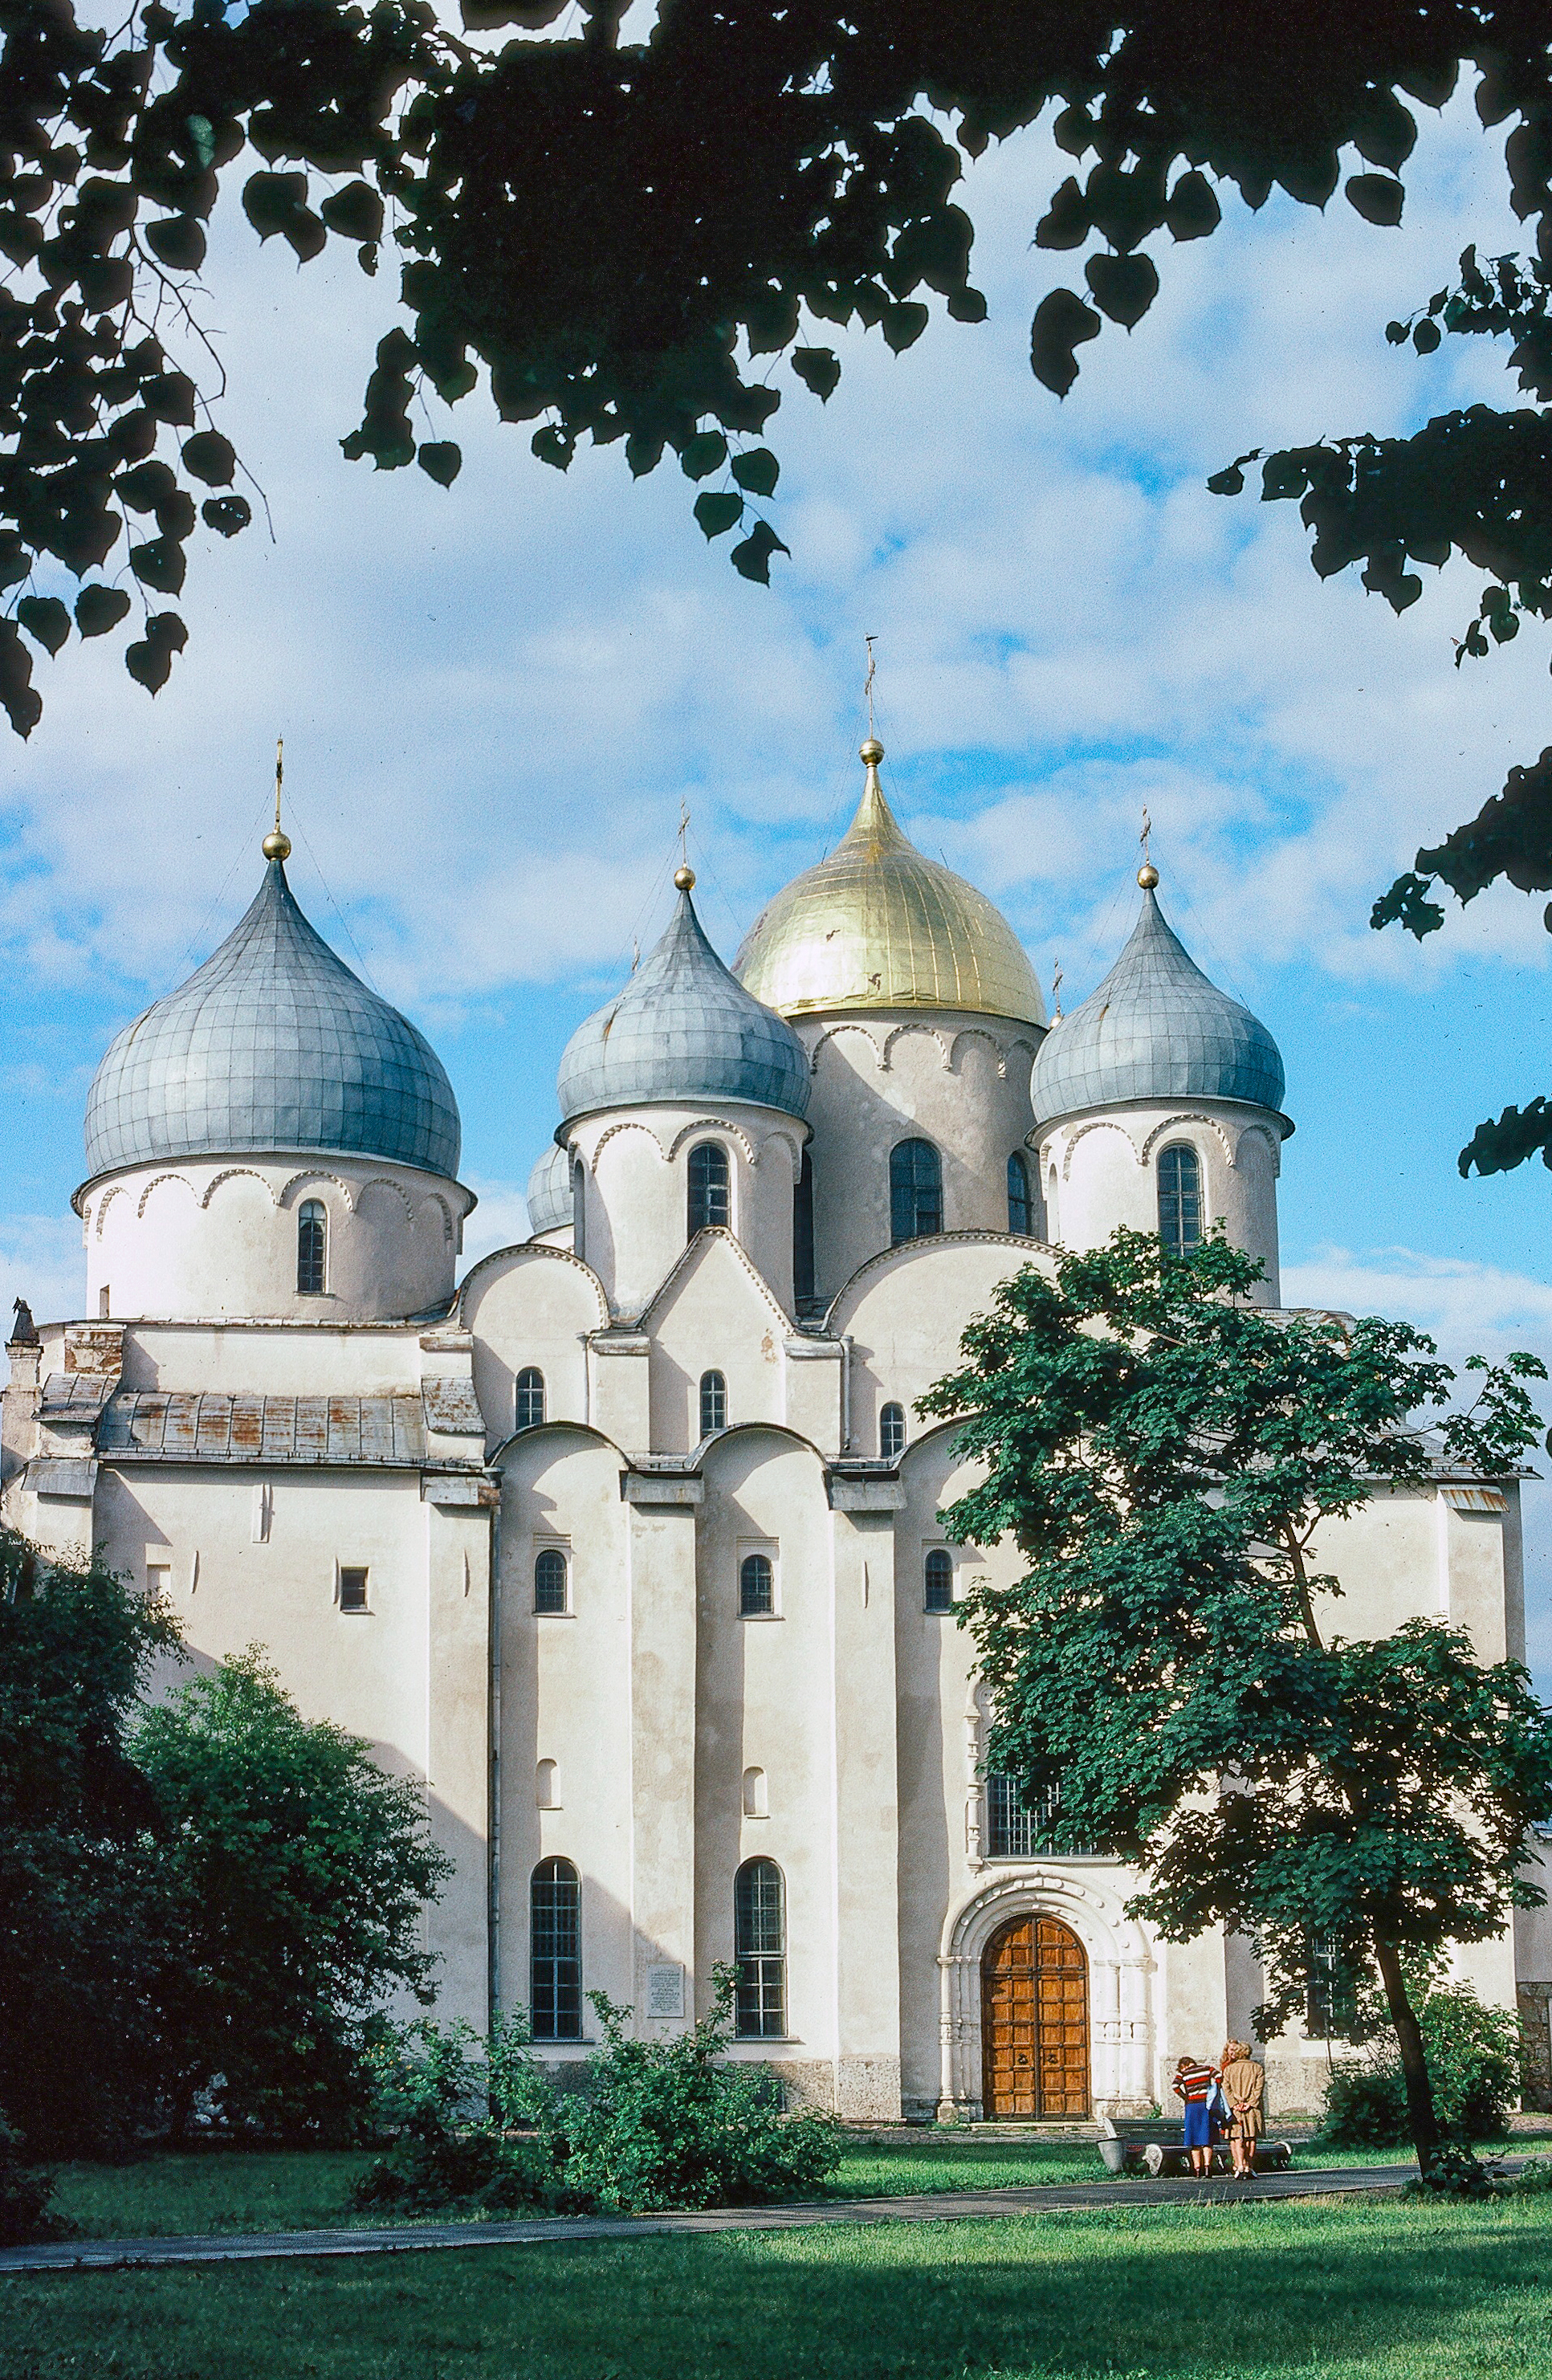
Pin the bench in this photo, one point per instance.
(1151, 2144)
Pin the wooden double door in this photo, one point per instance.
(1035, 2021)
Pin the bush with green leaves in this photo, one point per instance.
(1473, 2054)
(452, 2106)
(483, 2129)
(26, 2191)
(674, 2123)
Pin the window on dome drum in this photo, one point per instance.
(759, 1945)
(713, 1403)
(1180, 1197)
(1330, 1994)
(313, 1248)
(757, 1587)
(1021, 1216)
(352, 1590)
(1014, 1832)
(915, 1191)
(802, 1236)
(938, 1581)
(555, 1952)
(892, 1433)
(549, 1580)
(710, 1196)
(579, 1213)
(530, 1397)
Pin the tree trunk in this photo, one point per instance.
(1414, 2066)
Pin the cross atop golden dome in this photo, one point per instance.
(878, 925)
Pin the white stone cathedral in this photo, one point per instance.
(629, 1542)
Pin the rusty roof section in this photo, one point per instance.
(76, 1396)
(452, 1405)
(385, 1433)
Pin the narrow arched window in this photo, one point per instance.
(915, 1191)
(757, 1587)
(892, 1433)
(555, 1952)
(546, 1785)
(803, 1236)
(759, 1944)
(530, 1397)
(313, 1248)
(713, 1403)
(1020, 1213)
(549, 1580)
(579, 1211)
(1180, 1197)
(938, 1581)
(755, 1805)
(711, 1198)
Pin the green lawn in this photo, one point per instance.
(247, 2189)
(1318, 2290)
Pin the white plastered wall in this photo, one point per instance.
(633, 1172)
(1104, 1167)
(959, 1081)
(199, 1237)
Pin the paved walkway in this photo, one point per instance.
(930, 2206)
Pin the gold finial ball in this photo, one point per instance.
(1147, 876)
(277, 846)
(684, 878)
(872, 752)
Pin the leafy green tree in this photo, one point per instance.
(1477, 484)
(1169, 1460)
(300, 1872)
(85, 1949)
(619, 236)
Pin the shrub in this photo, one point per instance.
(447, 2101)
(1473, 2062)
(672, 2123)
(25, 2192)
(482, 2128)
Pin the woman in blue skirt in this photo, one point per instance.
(1194, 2086)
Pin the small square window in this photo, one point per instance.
(352, 1590)
(159, 1582)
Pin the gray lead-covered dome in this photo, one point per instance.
(1155, 1029)
(682, 1028)
(550, 1206)
(272, 1045)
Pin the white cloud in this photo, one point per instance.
(42, 1260)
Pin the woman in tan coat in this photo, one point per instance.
(1244, 2088)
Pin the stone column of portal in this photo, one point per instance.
(864, 1710)
(661, 1554)
(458, 1734)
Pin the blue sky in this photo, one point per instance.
(495, 698)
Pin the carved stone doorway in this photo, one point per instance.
(1035, 2022)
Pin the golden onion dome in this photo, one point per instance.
(876, 925)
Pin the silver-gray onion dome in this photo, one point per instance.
(1155, 1029)
(273, 1044)
(550, 1198)
(682, 1028)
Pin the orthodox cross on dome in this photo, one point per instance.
(1148, 875)
(867, 685)
(683, 875)
(1056, 994)
(277, 843)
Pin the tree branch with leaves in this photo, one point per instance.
(1174, 1463)
(621, 240)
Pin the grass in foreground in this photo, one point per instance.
(306, 2190)
(1314, 2290)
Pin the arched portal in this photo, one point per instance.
(1035, 2021)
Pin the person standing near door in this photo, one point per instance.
(1195, 2085)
